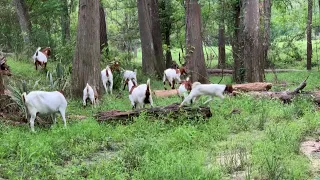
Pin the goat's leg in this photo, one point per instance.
(210, 99)
(220, 95)
(187, 99)
(63, 115)
(36, 64)
(111, 86)
(105, 86)
(32, 118)
(54, 118)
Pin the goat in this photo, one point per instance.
(184, 88)
(107, 79)
(211, 90)
(127, 74)
(139, 95)
(91, 93)
(44, 102)
(41, 57)
(173, 75)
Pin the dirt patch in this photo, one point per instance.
(311, 148)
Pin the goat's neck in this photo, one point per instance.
(131, 85)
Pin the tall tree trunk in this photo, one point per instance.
(156, 37)
(237, 45)
(168, 51)
(194, 50)
(24, 20)
(309, 31)
(1, 84)
(222, 49)
(152, 57)
(65, 22)
(103, 30)
(267, 28)
(252, 58)
(86, 62)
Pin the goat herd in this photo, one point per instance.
(52, 102)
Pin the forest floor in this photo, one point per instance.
(263, 140)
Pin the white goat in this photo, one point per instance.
(127, 74)
(172, 75)
(45, 103)
(89, 92)
(139, 95)
(211, 90)
(107, 79)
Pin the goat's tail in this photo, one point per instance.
(87, 86)
(23, 97)
(195, 84)
(148, 84)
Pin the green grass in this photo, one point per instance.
(265, 135)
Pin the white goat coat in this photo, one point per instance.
(182, 91)
(171, 74)
(138, 94)
(41, 56)
(127, 74)
(88, 92)
(45, 103)
(199, 89)
(107, 80)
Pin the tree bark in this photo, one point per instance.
(237, 45)
(65, 22)
(194, 50)
(252, 59)
(152, 57)
(267, 4)
(24, 20)
(86, 62)
(103, 31)
(1, 84)
(309, 32)
(222, 49)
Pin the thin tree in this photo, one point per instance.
(86, 61)
(24, 20)
(151, 45)
(103, 30)
(254, 70)
(267, 4)
(65, 22)
(309, 31)
(222, 49)
(237, 44)
(194, 50)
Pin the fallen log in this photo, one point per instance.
(230, 71)
(173, 111)
(257, 86)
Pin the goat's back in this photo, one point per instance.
(46, 102)
(41, 57)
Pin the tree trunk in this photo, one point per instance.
(65, 22)
(194, 50)
(156, 37)
(252, 59)
(237, 45)
(152, 57)
(103, 31)
(1, 84)
(222, 49)
(168, 51)
(267, 4)
(86, 62)
(24, 20)
(309, 31)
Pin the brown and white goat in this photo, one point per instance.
(184, 88)
(107, 79)
(173, 75)
(211, 90)
(139, 95)
(41, 57)
(90, 93)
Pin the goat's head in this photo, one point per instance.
(47, 51)
(187, 84)
(4, 67)
(115, 66)
(183, 70)
(229, 88)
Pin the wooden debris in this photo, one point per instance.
(165, 93)
(172, 111)
(257, 86)
(230, 71)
